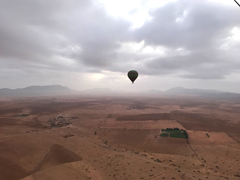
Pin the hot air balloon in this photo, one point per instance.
(132, 75)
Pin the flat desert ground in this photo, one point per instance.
(117, 138)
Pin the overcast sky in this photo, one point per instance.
(86, 44)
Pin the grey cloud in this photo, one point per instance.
(204, 22)
(99, 40)
(207, 65)
(34, 34)
(23, 30)
(200, 31)
(33, 30)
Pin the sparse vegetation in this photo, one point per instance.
(68, 135)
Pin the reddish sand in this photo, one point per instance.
(118, 138)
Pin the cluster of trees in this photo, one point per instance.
(174, 132)
(185, 134)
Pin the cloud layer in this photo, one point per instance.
(51, 41)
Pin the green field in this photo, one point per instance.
(174, 132)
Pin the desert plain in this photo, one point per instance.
(118, 138)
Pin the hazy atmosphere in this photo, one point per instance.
(94, 43)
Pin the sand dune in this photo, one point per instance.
(57, 155)
(9, 170)
(60, 172)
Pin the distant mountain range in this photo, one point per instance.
(207, 93)
(31, 91)
(58, 90)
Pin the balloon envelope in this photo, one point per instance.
(132, 75)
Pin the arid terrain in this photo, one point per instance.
(117, 138)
